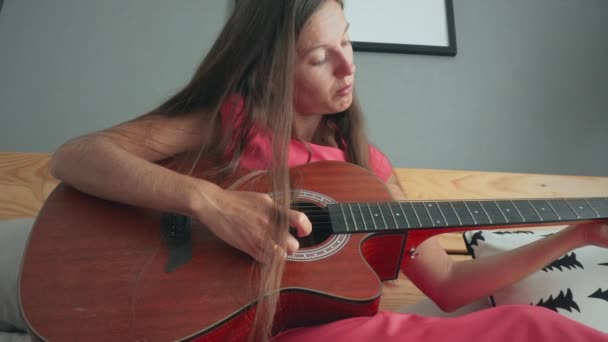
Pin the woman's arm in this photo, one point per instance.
(117, 163)
(452, 284)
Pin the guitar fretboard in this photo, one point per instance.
(361, 217)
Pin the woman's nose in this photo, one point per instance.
(346, 68)
(352, 68)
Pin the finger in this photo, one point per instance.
(266, 250)
(261, 248)
(301, 222)
(280, 251)
(257, 251)
(265, 200)
(292, 245)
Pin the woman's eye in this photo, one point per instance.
(319, 60)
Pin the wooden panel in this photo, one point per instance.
(421, 184)
(24, 183)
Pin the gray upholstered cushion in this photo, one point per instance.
(13, 238)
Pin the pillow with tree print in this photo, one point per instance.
(575, 285)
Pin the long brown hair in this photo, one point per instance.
(254, 57)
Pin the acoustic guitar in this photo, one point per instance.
(96, 270)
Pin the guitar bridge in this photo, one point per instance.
(177, 231)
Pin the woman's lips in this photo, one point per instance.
(346, 90)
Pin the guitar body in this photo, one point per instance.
(95, 270)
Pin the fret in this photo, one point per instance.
(435, 214)
(600, 205)
(451, 219)
(581, 208)
(424, 205)
(423, 215)
(509, 211)
(362, 216)
(464, 214)
(399, 215)
(384, 221)
(344, 217)
(598, 215)
(445, 220)
(411, 215)
(389, 211)
(368, 217)
(374, 216)
(484, 210)
(518, 211)
(478, 213)
(536, 211)
(543, 210)
(554, 211)
(562, 209)
(495, 215)
(352, 213)
(349, 219)
(571, 207)
(337, 217)
(526, 211)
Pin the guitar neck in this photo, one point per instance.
(362, 217)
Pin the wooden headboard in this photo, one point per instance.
(24, 183)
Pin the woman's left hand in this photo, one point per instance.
(595, 233)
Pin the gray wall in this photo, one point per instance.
(526, 92)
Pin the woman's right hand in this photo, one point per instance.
(243, 220)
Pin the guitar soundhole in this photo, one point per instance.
(321, 226)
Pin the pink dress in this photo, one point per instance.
(505, 323)
(258, 152)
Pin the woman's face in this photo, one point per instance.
(324, 72)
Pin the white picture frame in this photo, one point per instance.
(402, 26)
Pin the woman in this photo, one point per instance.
(277, 90)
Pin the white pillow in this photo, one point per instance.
(575, 285)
